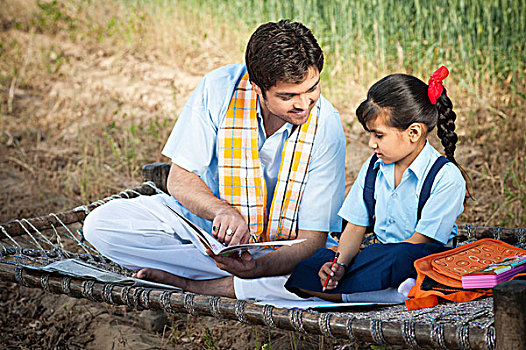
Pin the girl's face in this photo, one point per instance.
(393, 145)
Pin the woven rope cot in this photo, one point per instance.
(482, 324)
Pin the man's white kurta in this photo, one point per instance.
(142, 232)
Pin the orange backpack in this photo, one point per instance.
(440, 275)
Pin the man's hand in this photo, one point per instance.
(336, 273)
(230, 227)
(240, 266)
(194, 195)
(277, 263)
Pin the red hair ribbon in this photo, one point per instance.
(435, 84)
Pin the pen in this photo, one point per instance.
(332, 264)
(254, 238)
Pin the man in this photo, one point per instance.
(256, 153)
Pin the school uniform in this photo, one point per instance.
(389, 263)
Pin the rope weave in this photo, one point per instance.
(490, 338)
(267, 316)
(4, 231)
(376, 332)
(324, 322)
(522, 238)
(145, 298)
(165, 301)
(408, 332)
(107, 293)
(71, 235)
(136, 296)
(239, 309)
(29, 233)
(87, 290)
(189, 303)
(44, 281)
(295, 316)
(437, 336)
(463, 338)
(125, 296)
(497, 232)
(214, 307)
(348, 328)
(66, 283)
(18, 276)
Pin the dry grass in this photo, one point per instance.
(83, 105)
(89, 93)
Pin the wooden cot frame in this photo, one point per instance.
(509, 298)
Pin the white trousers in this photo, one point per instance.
(142, 232)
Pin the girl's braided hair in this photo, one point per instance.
(404, 98)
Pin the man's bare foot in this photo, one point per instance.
(220, 287)
(160, 276)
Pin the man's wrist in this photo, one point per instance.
(254, 272)
(223, 207)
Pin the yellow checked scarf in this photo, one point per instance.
(241, 181)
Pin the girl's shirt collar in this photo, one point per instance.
(418, 167)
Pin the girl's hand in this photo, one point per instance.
(336, 274)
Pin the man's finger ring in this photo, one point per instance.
(229, 232)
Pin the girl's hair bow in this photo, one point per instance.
(435, 84)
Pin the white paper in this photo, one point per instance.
(79, 268)
(388, 296)
(313, 304)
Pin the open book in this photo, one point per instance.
(219, 248)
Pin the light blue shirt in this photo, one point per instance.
(396, 208)
(192, 145)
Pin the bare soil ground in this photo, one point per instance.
(33, 319)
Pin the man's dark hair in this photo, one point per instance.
(281, 51)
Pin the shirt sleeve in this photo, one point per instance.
(191, 144)
(325, 187)
(445, 204)
(354, 209)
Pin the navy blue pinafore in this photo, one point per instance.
(378, 266)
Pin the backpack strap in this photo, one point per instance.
(368, 191)
(370, 180)
(428, 183)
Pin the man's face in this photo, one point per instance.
(291, 102)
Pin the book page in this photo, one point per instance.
(207, 239)
(219, 248)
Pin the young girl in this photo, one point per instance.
(399, 112)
